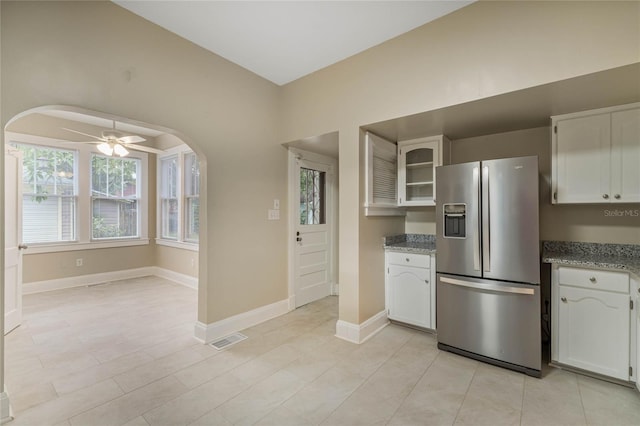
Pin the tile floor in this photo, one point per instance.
(123, 354)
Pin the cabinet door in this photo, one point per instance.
(594, 331)
(416, 172)
(410, 295)
(583, 147)
(625, 156)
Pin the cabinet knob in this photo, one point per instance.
(564, 299)
(617, 196)
(605, 196)
(426, 281)
(592, 279)
(407, 259)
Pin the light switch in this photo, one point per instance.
(276, 204)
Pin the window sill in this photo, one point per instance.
(178, 244)
(53, 248)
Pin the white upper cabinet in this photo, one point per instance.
(595, 156)
(417, 160)
(625, 156)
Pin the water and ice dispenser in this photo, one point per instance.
(454, 220)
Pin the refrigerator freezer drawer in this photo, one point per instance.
(495, 320)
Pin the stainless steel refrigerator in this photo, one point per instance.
(488, 262)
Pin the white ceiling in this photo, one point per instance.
(285, 40)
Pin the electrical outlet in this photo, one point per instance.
(79, 262)
(273, 215)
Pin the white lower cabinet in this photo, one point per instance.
(410, 288)
(593, 322)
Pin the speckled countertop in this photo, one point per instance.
(625, 257)
(411, 243)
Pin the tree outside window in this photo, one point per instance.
(115, 197)
(49, 191)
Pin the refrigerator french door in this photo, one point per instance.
(488, 273)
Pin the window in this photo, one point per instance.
(179, 200)
(192, 197)
(76, 198)
(114, 197)
(312, 197)
(169, 198)
(49, 194)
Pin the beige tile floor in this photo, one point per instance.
(123, 354)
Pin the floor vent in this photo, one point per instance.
(225, 342)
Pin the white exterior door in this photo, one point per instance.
(12, 240)
(312, 257)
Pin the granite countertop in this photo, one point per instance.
(411, 243)
(625, 257)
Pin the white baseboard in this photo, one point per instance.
(84, 280)
(335, 289)
(176, 277)
(104, 277)
(5, 408)
(207, 333)
(360, 333)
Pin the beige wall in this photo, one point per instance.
(178, 260)
(587, 223)
(68, 53)
(485, 49)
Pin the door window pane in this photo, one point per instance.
(312, 197)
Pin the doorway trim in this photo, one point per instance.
(295, 154)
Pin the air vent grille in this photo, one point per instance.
(225, 342)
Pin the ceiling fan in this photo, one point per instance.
(113, 142)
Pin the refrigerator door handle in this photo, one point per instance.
(486, 220)
(475, 228)
(487, 286)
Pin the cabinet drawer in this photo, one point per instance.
(594, 279)
(408, 259)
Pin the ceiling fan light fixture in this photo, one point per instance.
(105, 148)
(120, 150)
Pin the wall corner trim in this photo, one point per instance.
(5, 408)
(360, 333)
(176, 277)
(207, 333)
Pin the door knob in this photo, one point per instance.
(298, 239)
(23, 247)
(564, 299)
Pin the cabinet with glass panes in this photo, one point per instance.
(417, 160)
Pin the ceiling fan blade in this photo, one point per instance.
(131, 139)
(144, 149)
(85, 134)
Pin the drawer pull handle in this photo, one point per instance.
(564, 299)
(592, 279)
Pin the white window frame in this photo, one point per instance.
(179, 242)
(84, 221)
